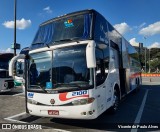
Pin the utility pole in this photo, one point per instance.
(149, 60)
(145, 54)
(15, 12)
(145, 60)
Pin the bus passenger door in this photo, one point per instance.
(113, 77)
(100, 81)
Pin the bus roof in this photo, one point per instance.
(69, 14)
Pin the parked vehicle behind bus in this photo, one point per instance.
(6, 82)
(19, 75)
(78, 66)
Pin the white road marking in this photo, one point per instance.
(18, 94)
(139, 115)
(9, 119)
(23, 113)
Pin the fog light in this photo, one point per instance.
(90, 112)
(83, 113)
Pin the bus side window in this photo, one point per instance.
(100, 69)
(114, 60)
(106, 61)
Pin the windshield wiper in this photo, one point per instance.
(36, 88)
(66, 40)
(66, 85)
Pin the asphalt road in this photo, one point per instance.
(137, 112)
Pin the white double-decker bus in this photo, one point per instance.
(78, 66)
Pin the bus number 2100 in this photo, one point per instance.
(77, 93)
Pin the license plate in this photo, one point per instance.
(53, 112)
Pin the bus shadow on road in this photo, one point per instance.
(82, 124)
(14, 91)
(10, 93)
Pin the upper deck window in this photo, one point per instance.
(62, 30)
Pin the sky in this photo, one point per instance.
(137, 20)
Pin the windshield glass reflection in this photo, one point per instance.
(70, 68)
(40, 69)
(62, 68)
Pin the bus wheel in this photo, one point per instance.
(116, 98)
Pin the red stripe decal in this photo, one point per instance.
(63, 96)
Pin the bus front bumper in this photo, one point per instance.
(87, 111)
(5, 90)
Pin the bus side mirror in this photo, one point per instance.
(90, 55)
(12, 64)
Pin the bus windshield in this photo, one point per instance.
(4, 74)
(3, 64)
(5, 59)
(62, 30)
(67, 69)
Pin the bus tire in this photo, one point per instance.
(116, 97)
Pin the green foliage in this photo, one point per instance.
(154, 64)
(154, 55)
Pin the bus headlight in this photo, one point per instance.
(31, 101)
(76, 102)
(83, 101)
